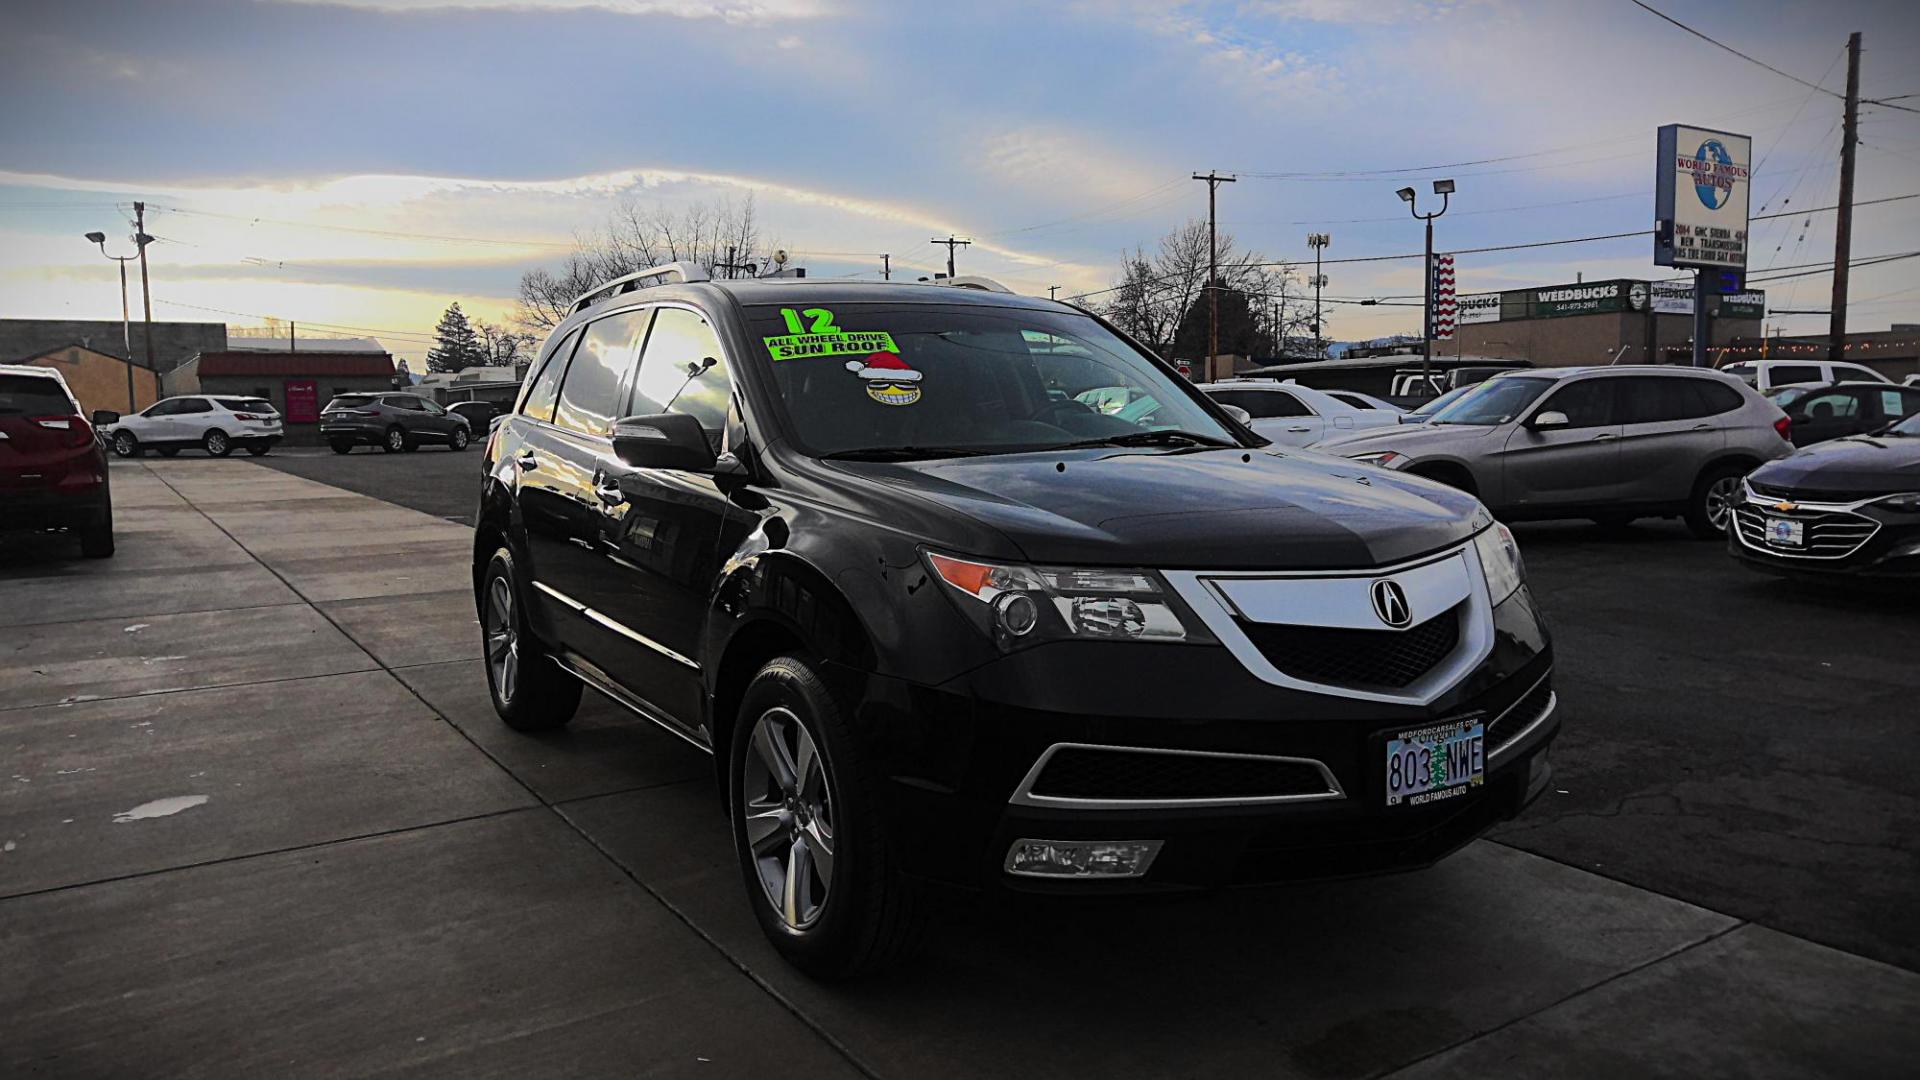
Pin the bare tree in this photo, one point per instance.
(721, 235)
(1157, 292)
(504, 347)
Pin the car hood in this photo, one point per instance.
(1410, 439)
(1859, 464)
(1195, 509)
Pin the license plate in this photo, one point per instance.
(1432, 763)
(1784, 533)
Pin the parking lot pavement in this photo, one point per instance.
(288, 836)
(433, 479)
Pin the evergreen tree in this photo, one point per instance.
(456, 346)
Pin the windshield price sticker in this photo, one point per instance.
(812, 332)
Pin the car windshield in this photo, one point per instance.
(1441, 402)
(1910, 427)
(922, 380)
(1495, 401)
(350, 401)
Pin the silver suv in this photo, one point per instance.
(1611, 444)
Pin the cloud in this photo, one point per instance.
(1054, 160)
(1357, 12)
(733, 11)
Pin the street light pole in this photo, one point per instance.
(126, 316)
(1444, 189)
(1318, 241)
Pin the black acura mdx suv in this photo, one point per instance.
(939, 617)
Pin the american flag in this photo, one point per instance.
(1446, 307)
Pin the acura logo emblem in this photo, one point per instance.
(1390, 603)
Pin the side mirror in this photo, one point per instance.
(103, 417)
(1548, 419)
(1240, 415)
(663, 441)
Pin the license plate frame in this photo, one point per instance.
(1409, 755)
(1785, 532)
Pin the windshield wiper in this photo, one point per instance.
(901, 453)
(1149, 438)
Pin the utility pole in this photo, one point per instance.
(141, 240)
(951, 242)
(1214, 180)
(1318, 241)
(1843, 223)
(1053, 292)
(886, 267)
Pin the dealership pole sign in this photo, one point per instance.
(1702, 187)
(1445, 310)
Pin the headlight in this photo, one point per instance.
(1907, 503)
(1500, 561)
(1386, 459)
(1019, 605)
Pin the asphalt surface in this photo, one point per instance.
(1730, 739)
(257, 818)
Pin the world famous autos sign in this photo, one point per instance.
(1702, 184)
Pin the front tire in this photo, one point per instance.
(1711, 504)
(125, 445)
(341, 447)
(529, 691)
(809, 832)
(394, 441)
(217, 444)
(459, 440)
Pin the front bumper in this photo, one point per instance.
(960, 758)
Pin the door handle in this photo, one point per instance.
(527, 460)
(1301, 427)
(1602, 438)
(1703, 427)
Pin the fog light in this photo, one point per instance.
(1081, 858)
(1017, 612)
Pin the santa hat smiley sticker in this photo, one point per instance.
(889, 380)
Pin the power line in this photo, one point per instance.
(414, 334)
(1753, 60)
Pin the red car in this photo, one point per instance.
(53, 470)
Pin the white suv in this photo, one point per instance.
(1764, 375)
(211, 422)
(1296, 415)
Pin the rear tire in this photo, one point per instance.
(258, 449)
(529, 691)
(1710, 505)
(394, 441)
(217, 444)
(168, 451)
(96, 540)
(125, 445)
(819, 873)
(341, 447)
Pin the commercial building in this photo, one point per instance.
(174, 343)
(298, 384)
(1598, 322)
(99, 380)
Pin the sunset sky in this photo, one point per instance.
(362, 163)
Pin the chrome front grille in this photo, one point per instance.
(1389, 659)
(1830, 534)
(1128, 777)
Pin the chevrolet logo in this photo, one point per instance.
(1786, 507)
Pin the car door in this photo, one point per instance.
(154, 426)
(545, 502)
(190, 420)
(438, 420)
(1828, 414)
(1666, 436)
(1572, 465)
(660, 528)
(1276, 414)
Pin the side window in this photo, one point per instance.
(1855, 373)
(1658, 399)
(683, 371)
(1787, 374)
(1284, 404)
(433, 407)
(546, 386)
(590, 393)
(1833, 405)
(1715, 398)
(1899, 404)
(1239, 399)
(1587, 403)
(192, 405)
(160, 408)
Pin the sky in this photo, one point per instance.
(356, 165)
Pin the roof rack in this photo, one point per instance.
(687, 271)
(974, 281)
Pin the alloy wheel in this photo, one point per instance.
(788, 811)
(503, 640)
(1720, 499)
(216, 443)
(123, 444)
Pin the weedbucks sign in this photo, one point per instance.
(1621, 295)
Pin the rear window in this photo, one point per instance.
(350, 401)
(32, 395)
(246, 405)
